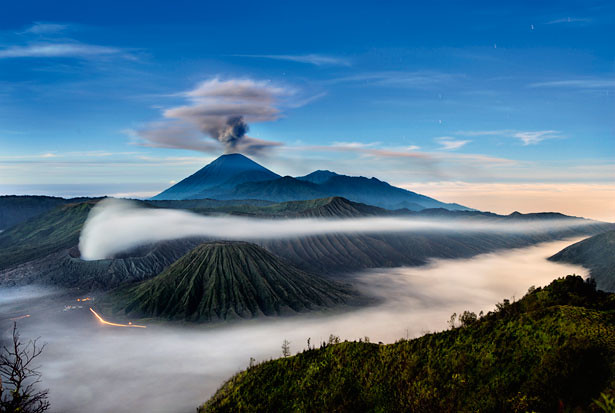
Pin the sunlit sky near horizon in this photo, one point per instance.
(500, 106)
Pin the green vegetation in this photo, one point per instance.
(15, 208)
(225, 280)
(553, 350)
(332, 207)
(54, 231)
(52, 238)
(596, 253)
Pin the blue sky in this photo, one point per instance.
(440, 97)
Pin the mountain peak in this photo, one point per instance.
(197, 287)
(227, 170)
(318, 177)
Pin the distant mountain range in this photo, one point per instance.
(43, 249)
(18, 208)
(234, 176)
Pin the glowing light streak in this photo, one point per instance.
(103, 321)
(20, 317)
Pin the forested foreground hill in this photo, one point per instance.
(553, 350)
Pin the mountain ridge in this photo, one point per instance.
(236, 176)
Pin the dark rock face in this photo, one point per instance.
(65, 268)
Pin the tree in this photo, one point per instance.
(451, 321)
(467, 318)
(333, 339)
(286, 348)
(19, 379)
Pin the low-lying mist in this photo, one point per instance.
(173, 368)
(116, 225)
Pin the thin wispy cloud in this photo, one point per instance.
(577, 84)
(526, 137)
(493, 132)
(355, 145)
(448, 143)
(569, 20)
(48, 40)
(45, 28)
(418, 79)
(313, 59)
(58, 50)
(535, 137)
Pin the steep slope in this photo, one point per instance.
(223, 174)
(277, 190)
(551, 351)
(227, 280)
(341, 253)
(15, 209)
(234, 177)
(43, 249)
(373, 191)
(596, 253)
(318, 177)
(330, 207)
(369, 191)
(65, 268)
(56, 230)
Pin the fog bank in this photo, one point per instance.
(116, 225)
(174, 368)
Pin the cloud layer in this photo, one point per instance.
(175, 368)
(46, 40)
(115, 225)
(313, 59)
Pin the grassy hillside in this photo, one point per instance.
(554, 350)
(320, 207)
(56, 230)
(596, 253)
(15, 209)
(225, 280)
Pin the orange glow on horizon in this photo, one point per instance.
(103, 321)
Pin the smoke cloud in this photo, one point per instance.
(116, 225)
(173, 368)
(218, 110)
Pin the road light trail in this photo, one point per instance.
(103, 321)
(20, 317)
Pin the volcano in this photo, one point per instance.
(222, 175)
(236, 177)
(230, 280)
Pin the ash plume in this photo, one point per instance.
(234, 130)
(218, 110)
